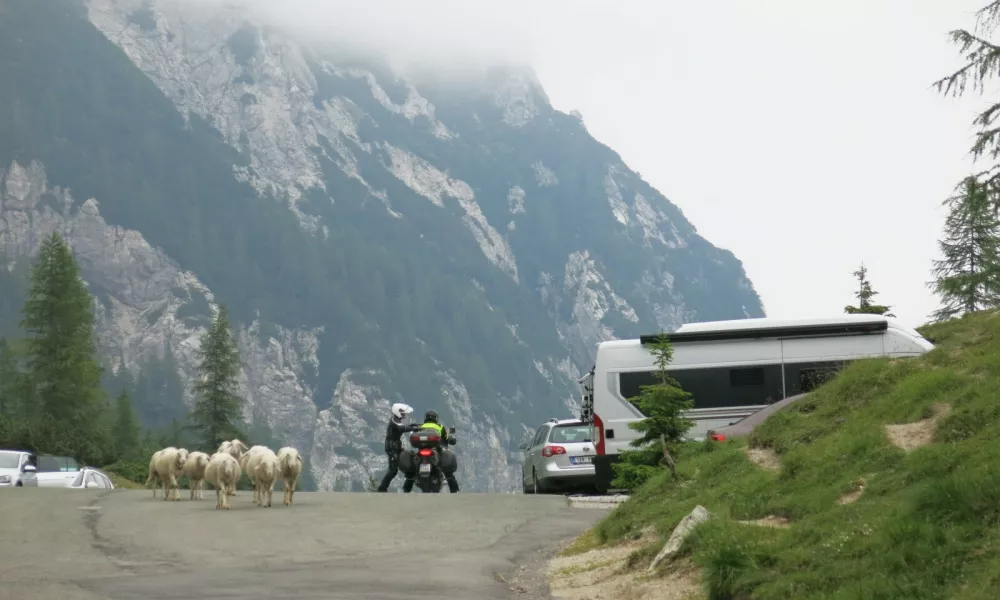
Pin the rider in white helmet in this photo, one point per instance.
(398, 425)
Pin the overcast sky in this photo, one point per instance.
(802, 135)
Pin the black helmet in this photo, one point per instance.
(431, 416)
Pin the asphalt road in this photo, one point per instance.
(90, 545)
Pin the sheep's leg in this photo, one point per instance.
(218, 496)
(270, 490)
(166, 488)
(284, 488)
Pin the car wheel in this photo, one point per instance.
(535, 488)
(18, 484)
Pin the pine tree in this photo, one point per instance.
(968, 277)
(864, 295)
(663, 427)
(127, 435)
(69, 408)
(982, 66)
(218, 405)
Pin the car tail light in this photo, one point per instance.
(718, 437)
(425, 452)
(553, 450)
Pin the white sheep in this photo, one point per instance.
(289, 468)
(169, 467)
(223, 471)
(236, 449)
(153, 479)
(262, 469)
(194, 468)
(243, 465)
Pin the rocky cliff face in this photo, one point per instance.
(495, 241)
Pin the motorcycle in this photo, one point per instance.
(426, 459)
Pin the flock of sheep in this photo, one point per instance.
(224, 469)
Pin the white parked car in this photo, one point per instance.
(83, 478)
(17, 469)
(56, 471)
(559, 457)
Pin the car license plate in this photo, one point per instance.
(582, 460)
(425, 468)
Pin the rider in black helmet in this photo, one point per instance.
(431, 421)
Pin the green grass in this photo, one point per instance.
(584, 543)
(123, 483)
(927, 524)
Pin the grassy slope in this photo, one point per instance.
(927, 524)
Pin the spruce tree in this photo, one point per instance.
(968, 277)
(663, 427)
(68, 407)
(218, 405)
(981, 68)
(864, 295)
(127, 435)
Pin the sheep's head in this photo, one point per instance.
(182, 456)
(224, 447)
(238, 449)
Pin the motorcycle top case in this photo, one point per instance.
(425, 438)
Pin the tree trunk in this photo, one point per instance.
(667, 458)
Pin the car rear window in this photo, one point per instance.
(567, 434)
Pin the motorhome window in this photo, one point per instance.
(805, 377)
(751, 376)
(711, 388)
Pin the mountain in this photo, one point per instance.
(377, 236)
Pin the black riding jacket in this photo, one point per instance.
(393, 437)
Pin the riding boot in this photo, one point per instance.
(383, 486)
(452, 484)
(407, 486)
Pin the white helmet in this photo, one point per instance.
(400, 410)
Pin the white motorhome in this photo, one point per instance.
(732, 369)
